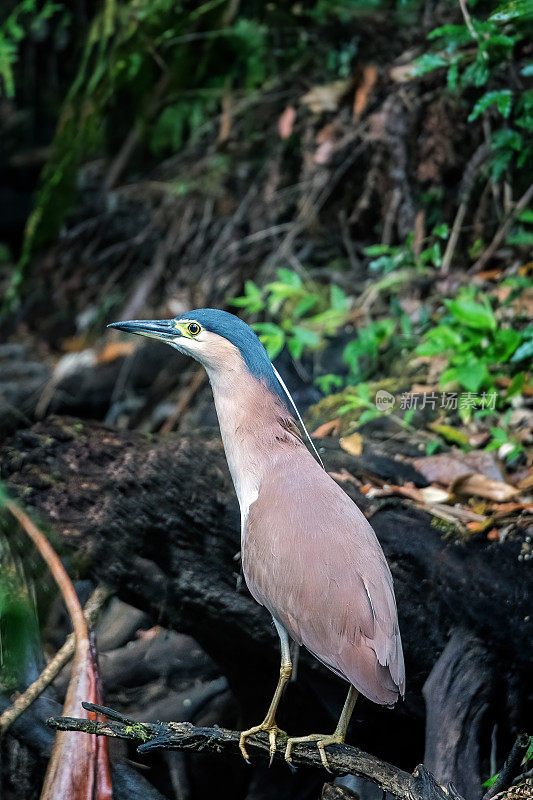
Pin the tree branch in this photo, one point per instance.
(343, 759)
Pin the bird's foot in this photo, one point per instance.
(269, 727)
(322, 741)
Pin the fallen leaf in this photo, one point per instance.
(286, 122)
(434, 494)
(449, 433)
(506, 509)
(360, 101)
(353, 444)
(481, 486)
(115, 350)
(326, 97)
(327, 429)
(323, 153)
(526, 483)
(446, 468)
(488, 275)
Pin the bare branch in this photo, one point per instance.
(343, 759)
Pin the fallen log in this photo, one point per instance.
(156, 518)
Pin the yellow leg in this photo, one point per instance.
(322, 741)
(269, 722)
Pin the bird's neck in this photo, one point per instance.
(256, 429)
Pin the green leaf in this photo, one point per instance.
(290, 278)
(472, 314)
(524, 351)
(442, 230)
(432, 446)
(328, 382)
(502, 98)
(252, 299)
(339, 299)
(377, 250)
(471, 374)
(272, 337)
(504, 345)
(369, 414)
(429, 62)
(306, 304)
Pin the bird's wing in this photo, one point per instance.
(312, 559)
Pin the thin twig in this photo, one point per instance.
(342, 759)
(186, 398)
(468, 20)
(465, 190)
(503, 230)
(53, 668)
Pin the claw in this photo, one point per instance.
(270, 728)
(322, 741)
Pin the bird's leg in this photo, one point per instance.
(337, 737)
(269, 722)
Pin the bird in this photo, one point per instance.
(309, 555)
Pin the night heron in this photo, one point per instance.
(309, 555)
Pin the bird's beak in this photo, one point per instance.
(163, 329)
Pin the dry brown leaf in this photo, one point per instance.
(286, 122)
(403, 73)
(353, 444)
(370, 75)
(505, 509)
(323, 153)
(526, 483)
(115, 350)
(327, 429)
(326, 97)
(446, 468)
(481, 486)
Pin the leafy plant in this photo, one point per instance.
(476, 56)
(27, 18)
(305, 314)
(386, 258)
(475, 345)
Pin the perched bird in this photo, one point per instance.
(309, 555)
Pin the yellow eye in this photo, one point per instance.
(193, 328)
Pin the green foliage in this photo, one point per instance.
(477, 347)
(477, 58)
(18, 621)
(27, 19)
(387, 258)
(305, 314)
(153, 61)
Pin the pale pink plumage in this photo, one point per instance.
(312, 559)
(309, 554)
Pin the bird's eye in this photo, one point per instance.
(193, 328)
